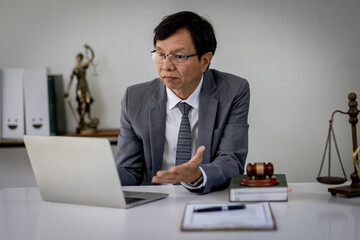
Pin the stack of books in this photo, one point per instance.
(240, 193)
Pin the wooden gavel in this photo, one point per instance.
(260, 170)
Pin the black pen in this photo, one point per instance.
(220, 208)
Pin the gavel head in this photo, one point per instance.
(260, 170)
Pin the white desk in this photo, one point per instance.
(310, 213)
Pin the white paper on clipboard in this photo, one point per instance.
(255, 216)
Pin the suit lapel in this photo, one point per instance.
(207, 115)
(156, 117)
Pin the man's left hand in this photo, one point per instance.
(187, 172)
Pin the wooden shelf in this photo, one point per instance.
(11, 143)
(99, 133)
(111, 134)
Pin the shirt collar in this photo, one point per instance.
(192, 100)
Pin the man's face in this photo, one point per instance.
(182, 78)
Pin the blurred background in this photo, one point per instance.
(301, 58)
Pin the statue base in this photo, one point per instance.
(86, 130)
(352, 190)
(348, 191)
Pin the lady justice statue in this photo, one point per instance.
(83, 96)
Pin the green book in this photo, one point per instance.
(56, 105)
(240, 193)
(52, 111)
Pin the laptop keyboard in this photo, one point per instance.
(130, 200)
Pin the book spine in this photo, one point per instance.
(60, 105)
(237, 196)
(52, 113)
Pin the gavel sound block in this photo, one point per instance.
(259, 175)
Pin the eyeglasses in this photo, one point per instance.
(174, 58)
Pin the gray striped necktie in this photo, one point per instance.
(183, 150)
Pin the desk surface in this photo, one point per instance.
(310, 213)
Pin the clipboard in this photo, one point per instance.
(255, 216)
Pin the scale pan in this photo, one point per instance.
(331, 180)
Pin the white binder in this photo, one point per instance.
(36, 102)
(12, 104)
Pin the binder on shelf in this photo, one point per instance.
(0, 102)
(12, 104)
(36, 102)
(52, 115)
(56, 105)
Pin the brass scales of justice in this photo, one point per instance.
(353, 189)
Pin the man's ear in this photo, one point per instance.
(205, 61)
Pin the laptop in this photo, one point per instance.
(80, 170)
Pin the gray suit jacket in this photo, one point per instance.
(223, 129)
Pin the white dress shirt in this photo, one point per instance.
(173, 119)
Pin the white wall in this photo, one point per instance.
(301, 58)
